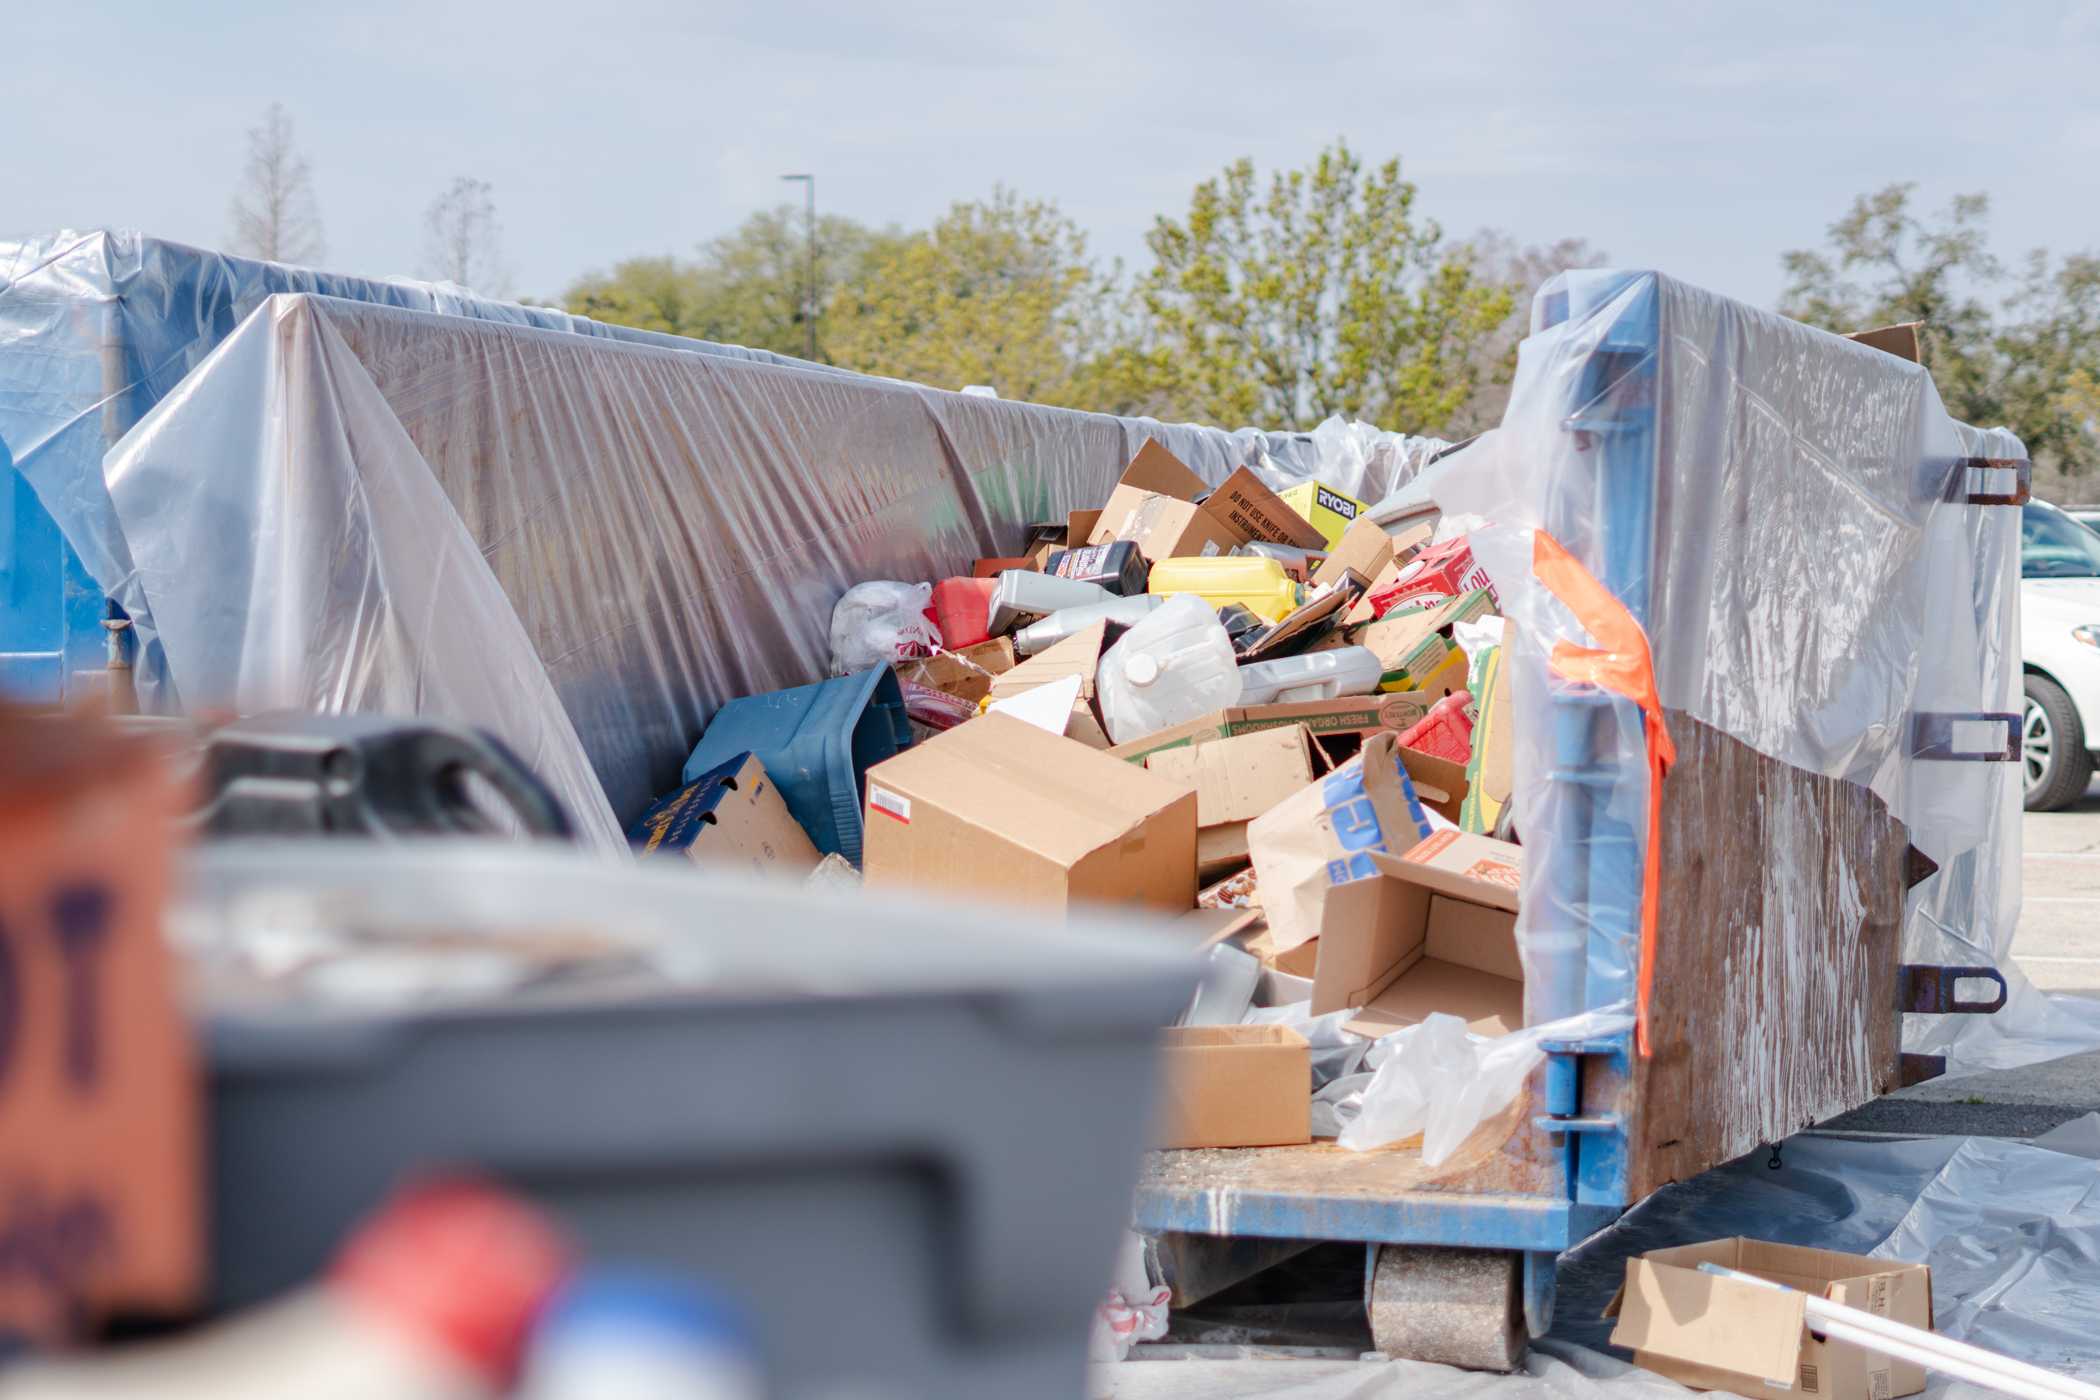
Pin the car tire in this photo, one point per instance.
(2054, 764)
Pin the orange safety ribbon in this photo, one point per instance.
(1620, 662)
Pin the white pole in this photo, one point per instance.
(1927, 1349)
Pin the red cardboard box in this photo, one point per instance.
(1439, 572)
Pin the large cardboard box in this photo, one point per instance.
(1002, 810)
(1723, 1334)
(1236, 780)
(1434, 930)
(1364, 547)
(1351, 714)
(1155, 505)
(731, 816)
(1236, 1086)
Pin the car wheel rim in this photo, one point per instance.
(2037, 743)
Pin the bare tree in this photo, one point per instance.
(463, 240)
(274, 215)
(1499, 259)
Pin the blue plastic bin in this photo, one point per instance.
(816, 741)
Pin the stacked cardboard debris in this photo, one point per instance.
(1336, 869)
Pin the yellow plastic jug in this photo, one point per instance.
(1260, 584)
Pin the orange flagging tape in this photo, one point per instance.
(1620, 662)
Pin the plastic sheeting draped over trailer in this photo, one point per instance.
(1789, 516)
(95, 328)
(584, 545)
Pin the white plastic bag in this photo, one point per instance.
(1135, 1309)
(1442, 1081)
(877, 623)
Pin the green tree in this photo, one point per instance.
(1328, 294)
(999, 292)
(2025, 358)
(747, 287)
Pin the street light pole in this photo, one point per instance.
(809, 284)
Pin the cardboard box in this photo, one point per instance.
(1898, 340)
(998, 809)
(1440, 784)
(1351, 715)
(1077, 655)
(1236, 1086)
(1440, 571)
(992, 568)
(1235, 780)
(1722, 1334)
(1364, 547)
(729, 816)
(1155, 505)
(965, 674)
(1324, 508)
(1412, 645)
(1434, 930)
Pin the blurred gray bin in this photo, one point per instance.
(903, 1135)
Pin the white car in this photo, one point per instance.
(2060, 651)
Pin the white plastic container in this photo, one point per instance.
(1069, 622)
(1175, 666)
(1317, 675)
(1025, 593)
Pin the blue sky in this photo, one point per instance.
(1699, 139)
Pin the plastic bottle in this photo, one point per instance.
(1174, 666)
(1242, 625)
(1298, 563)
(1315, 675)
(430, 1300)
(1023, 593)
(613, 1336)
(1116, 566)
(1067, 622)
(1263, 586)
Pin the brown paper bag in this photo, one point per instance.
(1320, 835)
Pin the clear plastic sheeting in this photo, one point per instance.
(1350, 456)
(96, 327)
(582, 544)
(1771, 502)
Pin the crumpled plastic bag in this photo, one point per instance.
(1442, 1081)
(1336, 1051)
(881, 622)
(1135, 1309)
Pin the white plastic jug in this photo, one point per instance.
(1175, 666)
(1317, 675)
(1023, 593)
(1070, 622)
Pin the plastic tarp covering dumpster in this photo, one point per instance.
(97, 326)
(1771, 502)
(581, 544)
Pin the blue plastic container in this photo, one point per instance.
(817, 741)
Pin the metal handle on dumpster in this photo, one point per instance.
(1949, 736)
(368, 775)
(1960, 490)
(1928, 989)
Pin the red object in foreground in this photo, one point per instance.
(1446, 731)
(961, 609)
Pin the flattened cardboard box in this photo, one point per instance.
(1236, 1086)
(1721, 1334)
(1412, 645)
(1434, 930)
(1155, 505)
(1353, 714)
(1364, 547)
(731, 816)
(1002, 811)
(966, 674)
(1235, 781)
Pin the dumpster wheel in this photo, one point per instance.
(1461, 1307)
